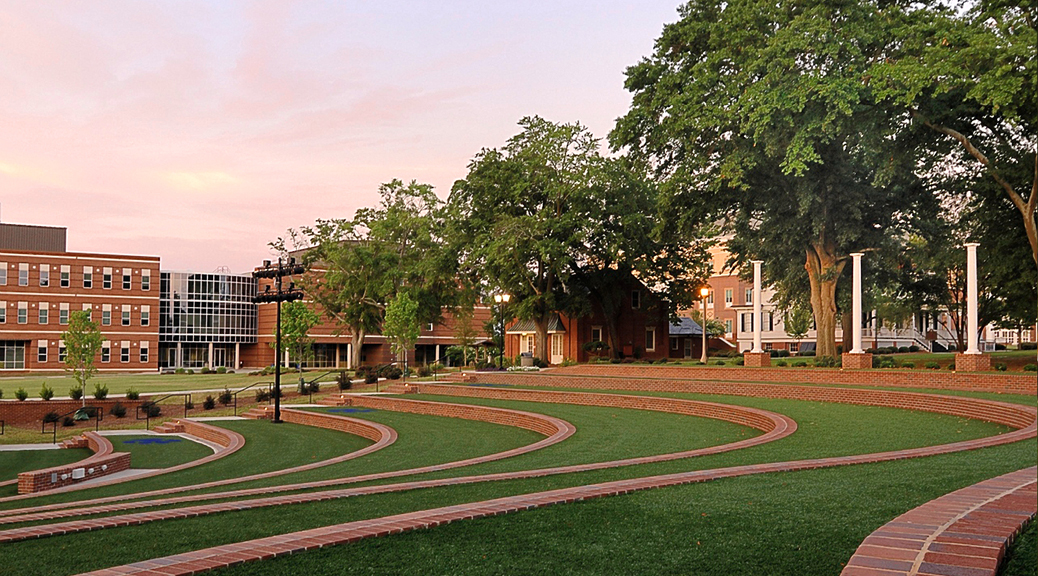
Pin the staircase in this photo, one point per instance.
(264, 413)
(333, 400)
(172, 427)
(461, 377)
(402, 389)
(76, 442)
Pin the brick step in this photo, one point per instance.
(402, 389)
(258, 414)
(169, 428)
(333, 400)
(461, 377)
(77, 442)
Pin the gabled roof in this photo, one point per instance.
(528, 327)
(685, 327)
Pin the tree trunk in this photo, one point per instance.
(542, 337)
(847, 324)
(356, 342)
(823, 270)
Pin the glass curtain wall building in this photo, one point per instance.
(204, 318)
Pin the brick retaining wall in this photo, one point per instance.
(16, 412)
(103, 462)
(535, 422)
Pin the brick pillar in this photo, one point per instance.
(756, 359)
(965, 362)
(855, 361)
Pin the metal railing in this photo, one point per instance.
(155, 403)
(97, 413)
(236, 392)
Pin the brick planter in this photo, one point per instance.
(859, 361)
(756, 359)
(972, 362)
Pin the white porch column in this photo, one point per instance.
(437, 354)
(209, 358)
(757, 324)
(349, 356)
(237, 355)
(971, 298)
(336, 355)
(179, 360)
(856, 309)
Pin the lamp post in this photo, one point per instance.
(501, 300)
(278, 295)
(704, 292)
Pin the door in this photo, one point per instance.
(688, 347)
(556, 349)
(219, 357)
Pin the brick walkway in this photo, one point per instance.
(962, 533)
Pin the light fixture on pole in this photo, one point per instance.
(502, 299)
(704, 292)
(278, 295)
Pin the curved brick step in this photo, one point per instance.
(555, 429)
(965, 532)
(104, 461)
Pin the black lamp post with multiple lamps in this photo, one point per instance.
(278, 295)
(501, 300)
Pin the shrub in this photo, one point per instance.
(1, 392)
(780, 363)
(773, 353)
(931, 365)
(903, 349)
(1029, 346)
(740, 362)
(913, 348)
(392, 372)
(221, 370)
(800, 364)
(783, 353)
(117, 410)
(190, 371)
(951, 366)
(209, 403)
(807, 353)
(68, 421)
(908, 364)
(719, 363)
(539, 363)
(75, 393)
(225, 397)
(614, 360)
(132, 394)
(1031, 368)
(206, 370)
(888, 364)
(839, 348)
(180, 371)
(999, 346)
(1001, 367)
(343, 380)
(315, 387)
(100, 391)
(660, 361)
(826, 362)
(424, 371)
(46, 392)
(568, 362)
(50, 417)
(370, 378)
(21, 394)
(262, 395)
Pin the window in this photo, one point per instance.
(674, 343)
(749, 295)
(23, 274)
(65, 276)
(710, 297)
(88, 277)
(596, 334)
(768, 346)
(41, 351)
(747, 322)
(145, 315)
(429, 327)
(106, 314)
(728, 296)
(794, 346)
(106, 278)
(3, 273)
(126, 314)
(124, 351)
(44, 315)
(23, 312)
(63, 313)
(767, 322)
(12, 355)
(144, 352)
(61, 351)
(3, 312)
(106, 351)
(650, 339)
(145, 279)
(636, 299)
(127, 281)
(44, 275)
(89, 309)
(728, 326)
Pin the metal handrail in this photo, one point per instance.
(98, 416)
(235, 394)
(150, 403)
(310, 384)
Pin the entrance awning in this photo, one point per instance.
(529, 327)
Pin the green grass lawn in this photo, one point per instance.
(1014, 359)
(1022, 556)
(159, 451)
(14, 462)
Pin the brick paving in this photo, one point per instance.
(965, 532)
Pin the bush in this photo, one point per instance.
(800, 364)
(117, 410)
(50, 417)
(951, 366)
(221, 370)
(826, 362)
(1029, 346)
(807, 353)
(539, 363)
(315, 387)
(933, 365)
(999, 346)
(1031, 368)
(424, 371)
(343, 380)
(46, 392)
(780, 363)
(908, 364)
(180, 371)
(68, 421)
(903, 349)
(132, 394)
(209, 403)
(151, 409)
(913, 348)
(370, 378)
(719, 363)
(614, 360)
(206, 370)
(740, 362)
(225, 397)
(1001, 367)
(568, 362)
(1, 392)
(660, 361)
(21, 394)
(783, 353)
(392, 372)
(100, 392)
(190, 371)
(262, 395)
(75, 393)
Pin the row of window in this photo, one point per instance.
(729, 296)
(65, 276)
(42, 351)
(43, 313)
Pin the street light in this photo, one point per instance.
(501, 300)
(704, 292)
(279, 295)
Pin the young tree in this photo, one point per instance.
(82, 344)
(297, 319)
(755, 115)
(797, 322)
(465, 332)
(402, 326)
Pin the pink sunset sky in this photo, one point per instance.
(200, 131)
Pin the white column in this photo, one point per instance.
(971, 298)
(336, 355)
(856, 308)
(437, 353)
(349, 356)
(209, 359)
(757, 324)
(237, 355)
(179, 361)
